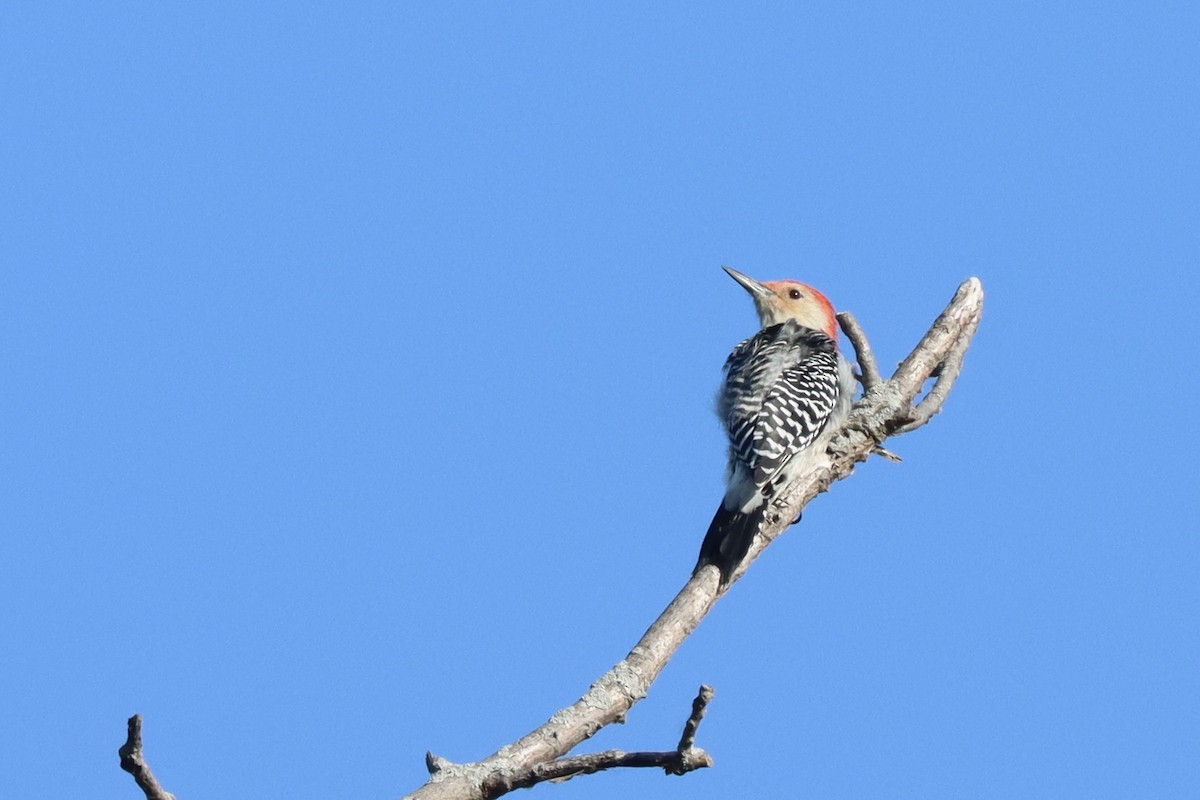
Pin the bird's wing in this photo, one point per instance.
(780, 391)
(794, 414)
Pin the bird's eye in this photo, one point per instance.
(794, 294)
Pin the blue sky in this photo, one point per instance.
(358, 363)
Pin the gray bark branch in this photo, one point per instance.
(683, 759)
(135, 764)
(886, 408)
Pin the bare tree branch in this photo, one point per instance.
(683, 759)
(699, 706)
(868, 375)
(133, 762)
(673, 761)
(869, 370)
(946, 372)
(886, 408)
(953, 329)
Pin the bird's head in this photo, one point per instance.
(779, 301)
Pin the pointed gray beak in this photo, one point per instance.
(752, 286)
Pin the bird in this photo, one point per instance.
(786, 391)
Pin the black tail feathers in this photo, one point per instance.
(728, 540)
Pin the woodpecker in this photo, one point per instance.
(787, 389)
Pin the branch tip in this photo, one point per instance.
(688, 740)
(958, 324)
(135, 764)
(888, 454)
(868, 368)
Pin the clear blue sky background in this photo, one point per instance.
(357, 365)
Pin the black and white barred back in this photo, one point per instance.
(780, 391)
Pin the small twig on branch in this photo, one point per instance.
(683, 759)
(867, 365)
(888, 454)
(563, 769)
(133, 762)
(699, 706)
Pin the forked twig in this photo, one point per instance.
(683, 759)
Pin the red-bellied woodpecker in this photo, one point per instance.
(787, 389)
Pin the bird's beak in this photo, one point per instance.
(752, 286)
